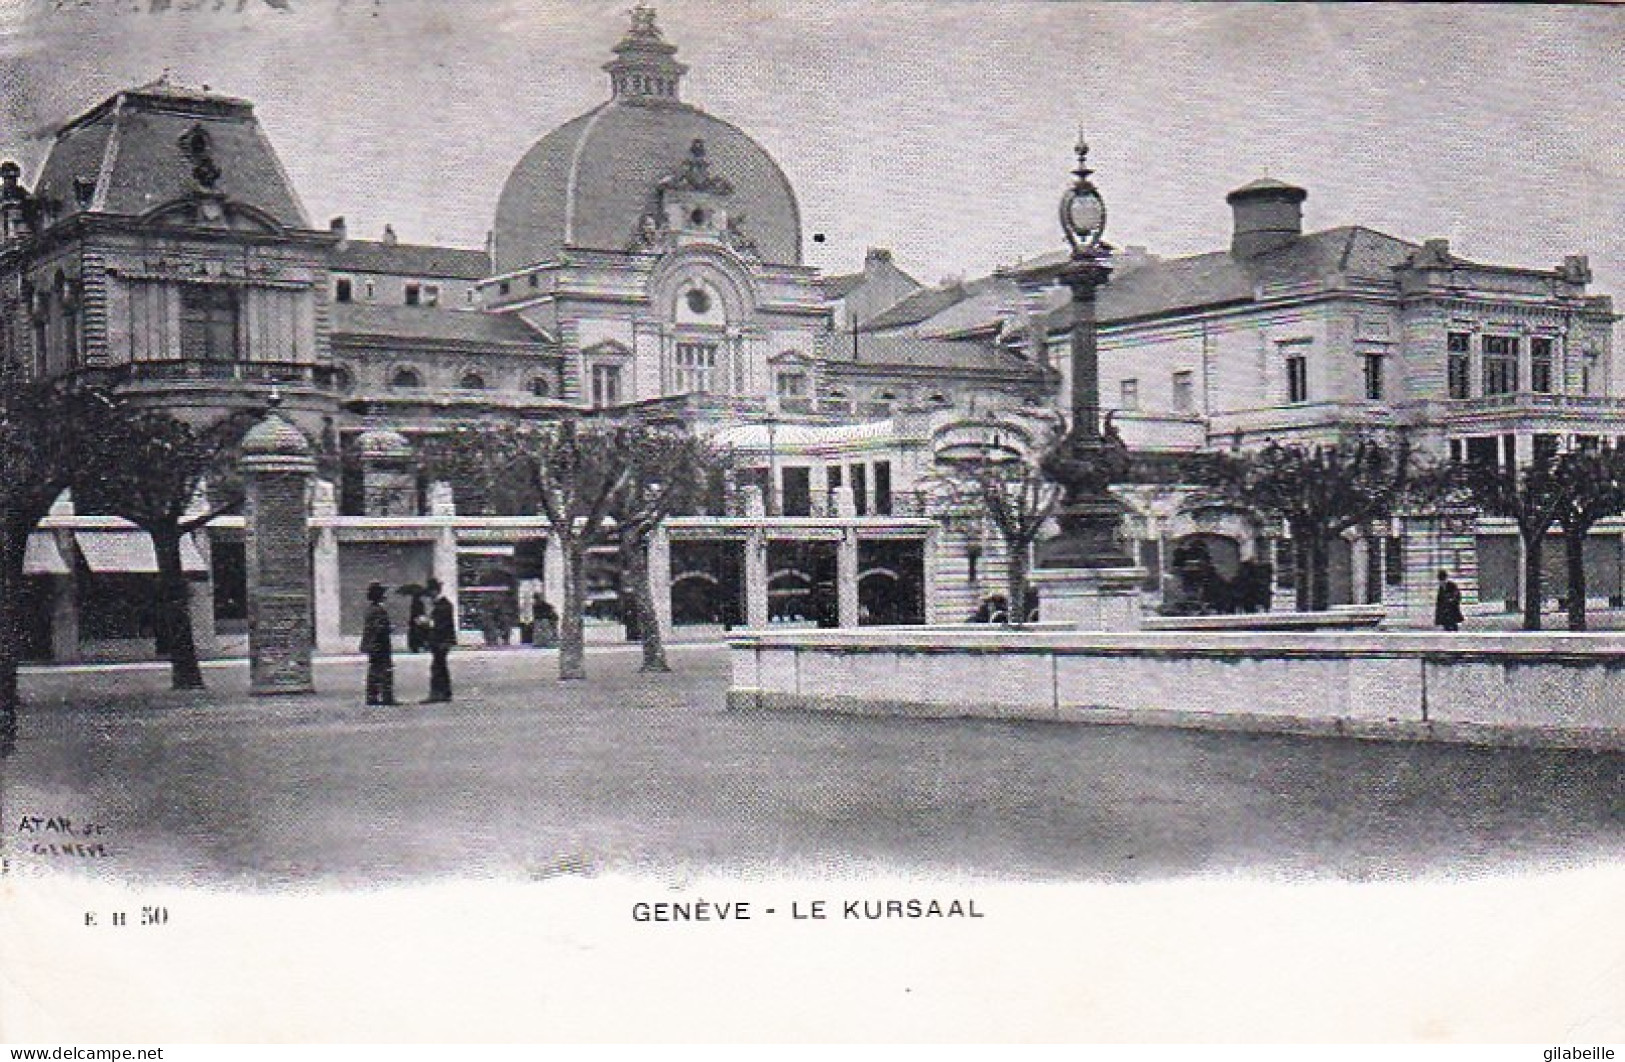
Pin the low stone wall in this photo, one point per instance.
(1347, 617)
(1563, 690)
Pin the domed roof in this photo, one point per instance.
(275, 436)
(590, 182)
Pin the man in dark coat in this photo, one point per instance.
(1447, 605)
(375, 643)
(439, 637)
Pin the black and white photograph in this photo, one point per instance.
(807, 521)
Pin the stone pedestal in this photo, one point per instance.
(277, 466)
(1091, 599)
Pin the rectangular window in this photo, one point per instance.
(1184, 393)
(1129, 394)
(1297, 378)
(431, 294)
(1484, 450)
(1500, 365)
(208, 322)
(372, 291)
(414, 294)
(1393, 561)
(1373, 378)
(797, 486)
(1540, 365)
(792, 384)
(606, 385)
(343, 289)
(1545, 449)
(860, 489)
(882, 488)
(696, 366)
(1591, 373)
(1459, 364)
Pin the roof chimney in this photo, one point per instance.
(1268, 214)
(340, 230)
(389, 235)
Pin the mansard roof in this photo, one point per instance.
(432, 325)
(410, 260)
(146, 147)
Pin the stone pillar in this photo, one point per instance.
(443, 506)
(756, 578)
(932, 610)
(277, 464)
(660, 578)
(200, 602)
(325, 570)
(553, 572)
(846, 579)
(819, 477)
(845, 507)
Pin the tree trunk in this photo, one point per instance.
(635, 558)
(1574, 540)
(175, 611)
(13, 547)
(1320, 575)
(1016, 582)
(1531, 580)
(1303, 582)
(572, 633)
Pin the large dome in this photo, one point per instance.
(590, 182)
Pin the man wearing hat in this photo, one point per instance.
(375, 643)
(441, 635)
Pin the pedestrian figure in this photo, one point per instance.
(440, 634)
(375, 643)
(547, 622)
(417, 625)
(1447, 606)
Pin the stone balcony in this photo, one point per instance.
(1532, 411)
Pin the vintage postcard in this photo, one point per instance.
(811, 520)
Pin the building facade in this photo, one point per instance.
(646, 258)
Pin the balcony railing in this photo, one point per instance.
(1533, 400)
(182, 370)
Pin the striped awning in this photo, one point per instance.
(130, 552)
(42, 556)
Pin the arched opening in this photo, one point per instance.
(406, 378)
(472, 381)
(1206, 574)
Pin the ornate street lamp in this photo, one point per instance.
(1088, 461)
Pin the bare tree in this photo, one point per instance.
(569, 471)
(1007, 482)
(673, 472)
(1532, 497)
(1319, 492)
(150, 468)
(1593, 479)
(39, 452)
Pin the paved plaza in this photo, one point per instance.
(524, 777)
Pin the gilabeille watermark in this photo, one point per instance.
(1553, 1054)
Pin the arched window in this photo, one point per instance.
(406, 378)
(541, 386)
(472, 381)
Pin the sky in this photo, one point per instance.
(942, 130)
